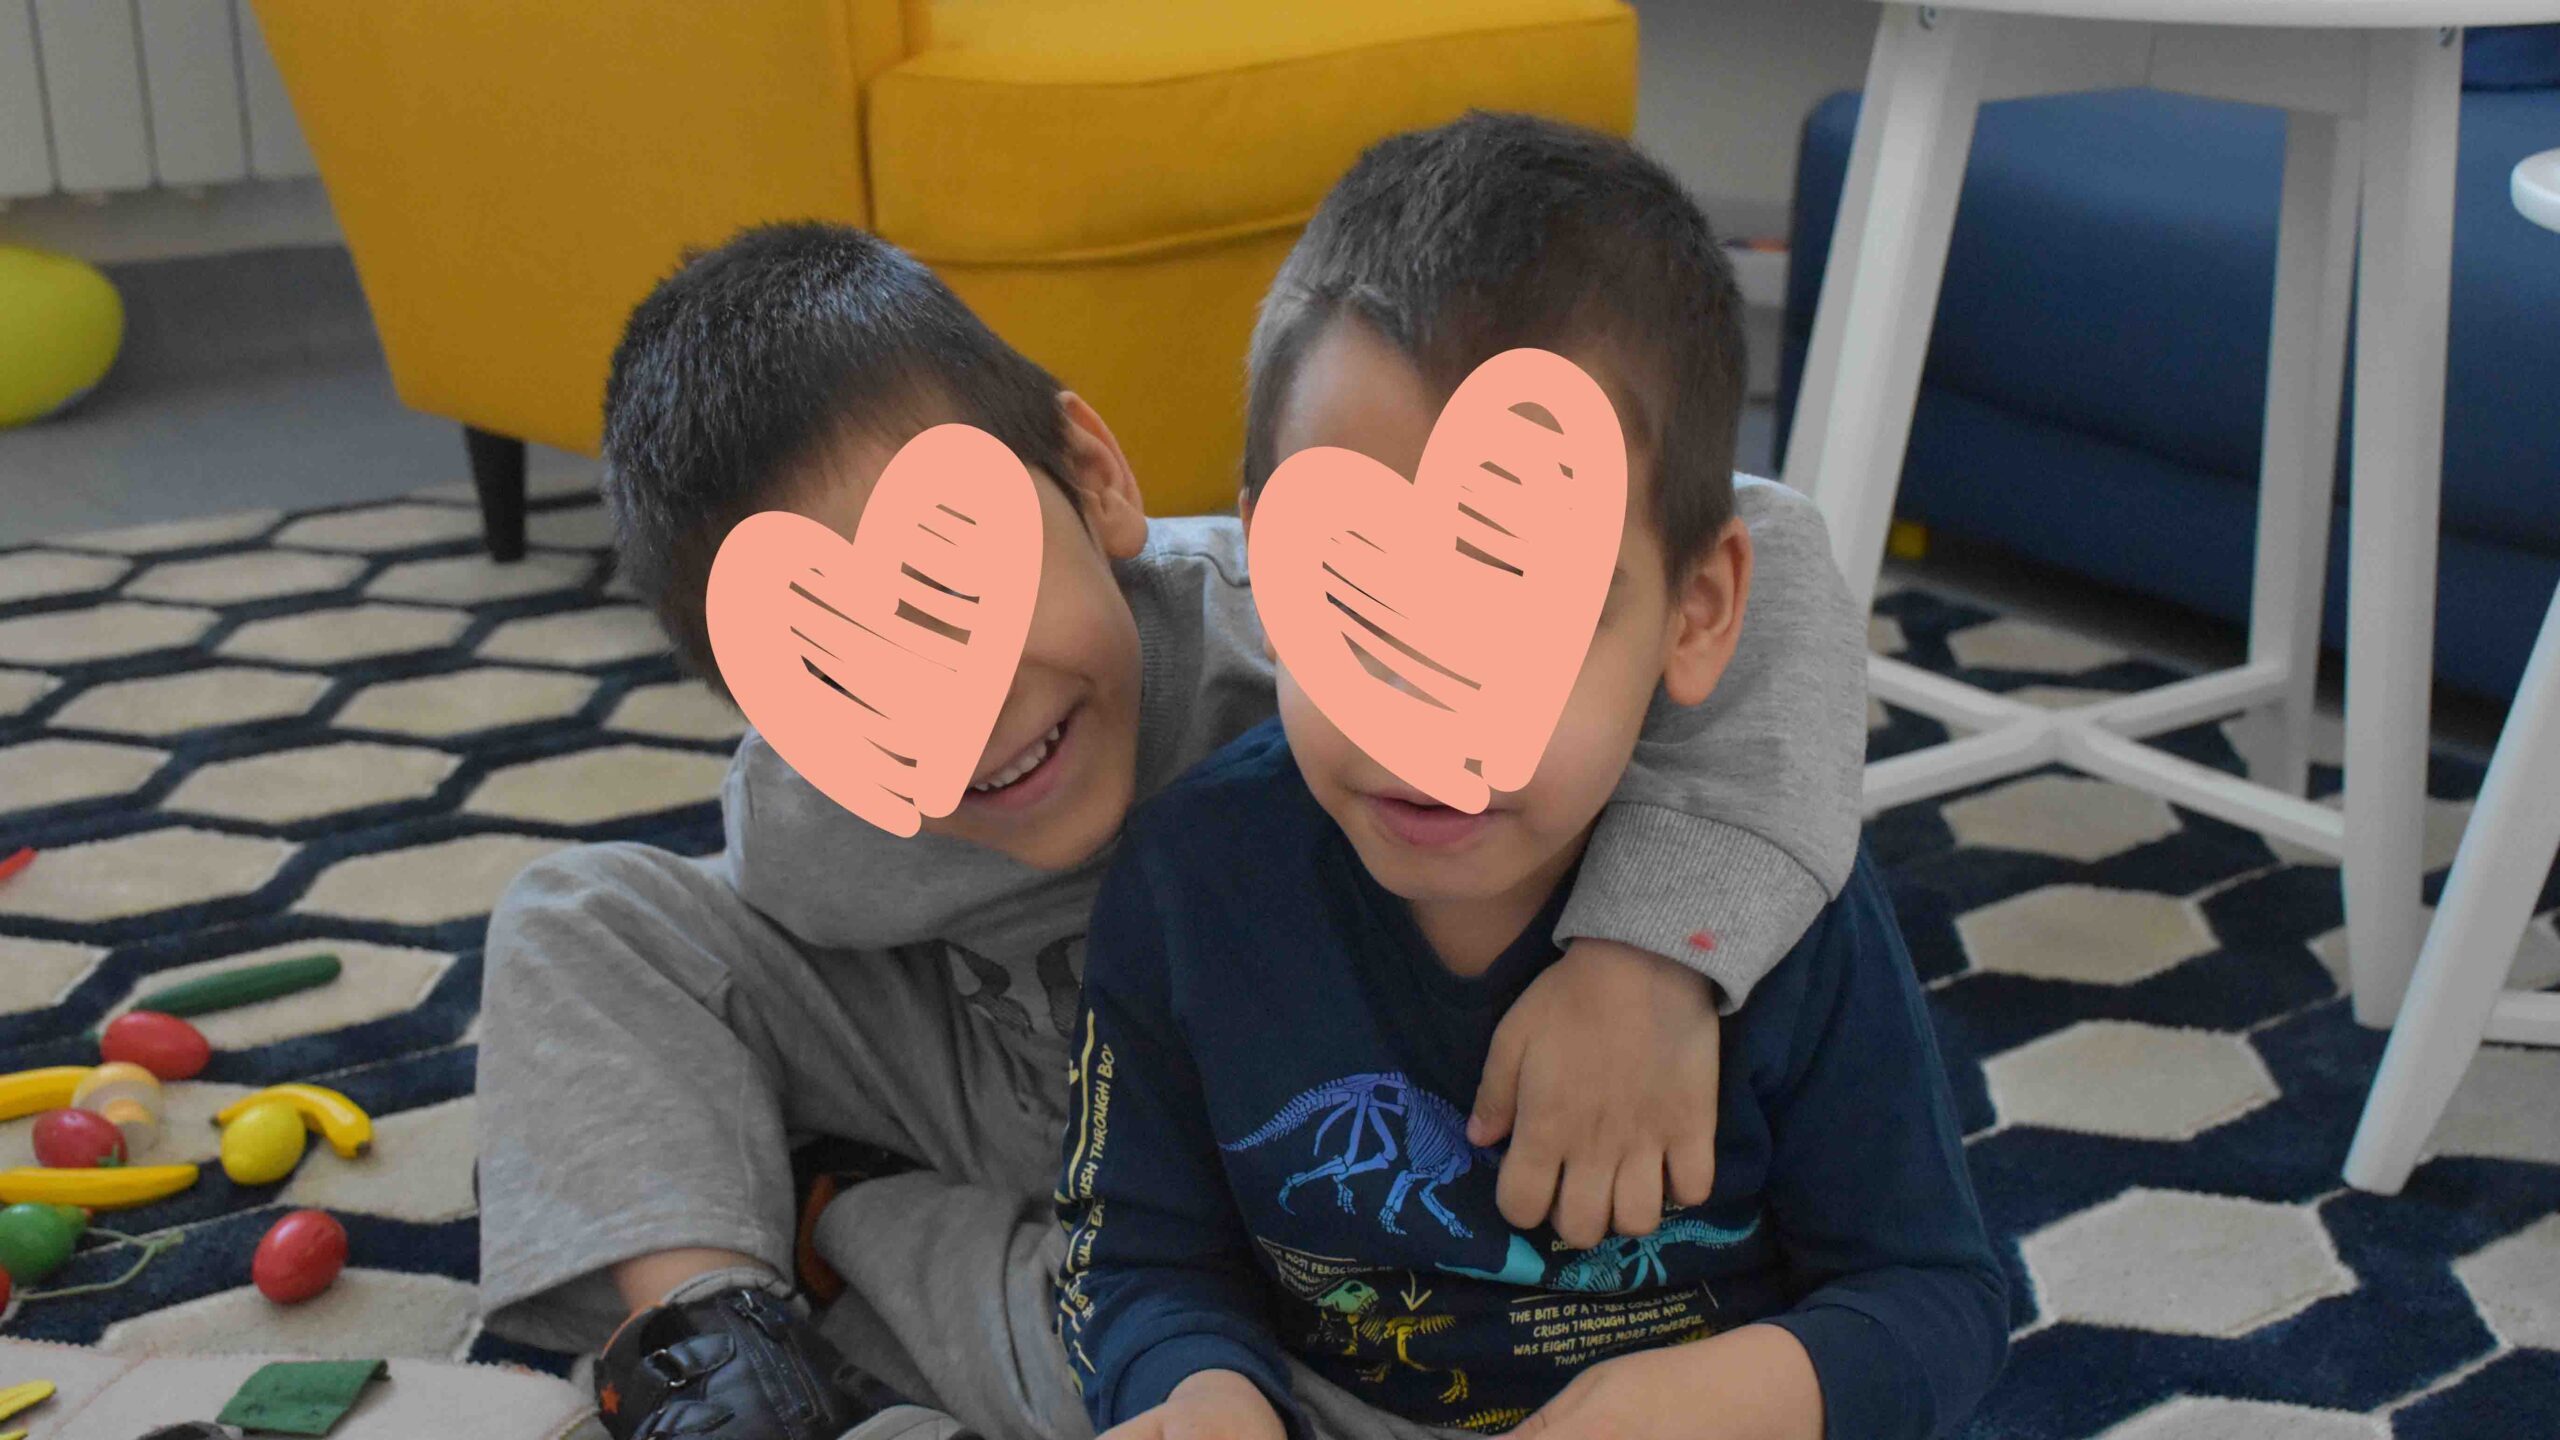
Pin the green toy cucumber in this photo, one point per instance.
(245, 986)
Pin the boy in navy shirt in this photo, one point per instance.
(1277, 1219)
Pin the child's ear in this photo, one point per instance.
(1706, 617)
(1106, 488)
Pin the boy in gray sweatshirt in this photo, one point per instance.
(660, 1032)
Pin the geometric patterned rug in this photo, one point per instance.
(344, 731)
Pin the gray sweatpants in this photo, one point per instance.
(651, 1049)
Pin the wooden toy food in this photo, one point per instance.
(163, 1044)
(300, 1257)
(69, 1139)
(263, 1143)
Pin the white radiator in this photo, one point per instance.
(98, 96)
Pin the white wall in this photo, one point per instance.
(1724, 88)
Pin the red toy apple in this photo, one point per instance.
(300, 1256)
(165, 1045)
(78, 1140)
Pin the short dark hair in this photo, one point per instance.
(1497, 231)
(739, 369)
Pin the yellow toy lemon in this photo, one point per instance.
(61, 323)
(263, 1143)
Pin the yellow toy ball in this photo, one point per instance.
(61, 323)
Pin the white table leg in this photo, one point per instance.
(2306, 367)
(2488, 900)
(1880, 290)
(2413, 83)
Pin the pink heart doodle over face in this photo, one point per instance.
(877, 668)
(1477, 585)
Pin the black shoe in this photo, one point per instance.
(737, 1365)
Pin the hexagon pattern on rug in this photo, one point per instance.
(377, 528)
(41, 574)
(357, 632)
(114, 631)
(471, 579)
(2192, 1417)
(2516, 1283)
(2139, 1082)
(141, 874)
(235, 579)
(679, 710)
(38, 973)
(289, 785)
(22, 688)
(2025, 645)
(2184, 1264)
(2084, 933)
(2057, 697)
(581, 637)
(2505, 1107)
(484, 698)
(374, 982)
(51, 772)
(2064, 815)
(2536, 966)
(367, 1314)
(426, 884)
(592, 785)
(204, 699)
(429, 1182)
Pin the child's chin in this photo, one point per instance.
(1058, 841)
(1420, 876)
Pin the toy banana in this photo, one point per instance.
(32, 1092)
(112, 1188)
(23, 1397)
(338, 1119)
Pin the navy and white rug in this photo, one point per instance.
(343, 732)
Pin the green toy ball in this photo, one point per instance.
(61, 323)
(36, 1240)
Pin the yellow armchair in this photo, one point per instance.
(1110, 183)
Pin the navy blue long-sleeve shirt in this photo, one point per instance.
(1268, 1152)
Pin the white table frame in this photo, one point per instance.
(2458, 996)
(2372, 122)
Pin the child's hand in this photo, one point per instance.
(1754, 1383)
(1610, 1060)
(1212, 1405)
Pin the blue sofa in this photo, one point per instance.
(2093, 387)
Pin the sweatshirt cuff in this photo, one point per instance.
(1150, 1379)
(1713, 897)
(1866, 1394)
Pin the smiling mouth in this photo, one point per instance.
(1021, 766)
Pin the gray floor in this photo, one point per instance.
(247, 382)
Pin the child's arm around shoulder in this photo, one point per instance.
(1736, 821)
(1160, 1306)
(1738, 818)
